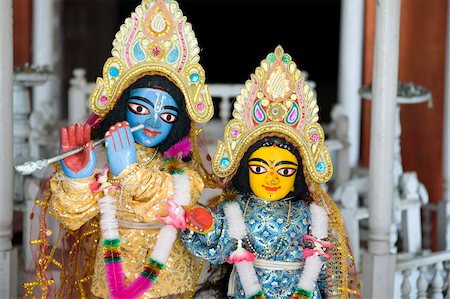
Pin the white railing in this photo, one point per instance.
(424, 276)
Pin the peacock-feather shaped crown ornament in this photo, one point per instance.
(277, 100)
(156, 39)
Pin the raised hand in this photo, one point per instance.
(82, 164)
(120, 147)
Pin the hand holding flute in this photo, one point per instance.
(77, 151)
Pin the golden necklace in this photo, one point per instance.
(119, 182)
(268, 255)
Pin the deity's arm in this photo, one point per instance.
(72, 202)
(214, 246)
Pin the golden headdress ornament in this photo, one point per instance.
(156, 39)
(277, 100)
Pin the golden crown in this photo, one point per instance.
(156, 39)
(277, 100)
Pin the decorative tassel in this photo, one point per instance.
(240, 254)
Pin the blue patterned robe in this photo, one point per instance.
(265, 222)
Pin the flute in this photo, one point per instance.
(31, 166)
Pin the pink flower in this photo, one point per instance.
(101, 182)
(319, 247)
(176, 215)
(240, 254)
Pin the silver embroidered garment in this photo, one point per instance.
(265, 222)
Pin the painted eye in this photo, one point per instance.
(168, 117)
(287, 171)
(138, 109)
(257, 169)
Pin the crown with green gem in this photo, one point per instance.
(156, 39)
(277, 100)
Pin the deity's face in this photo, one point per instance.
(154, 108)
(272, 172)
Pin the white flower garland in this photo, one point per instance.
(161, 251)
(245, 267)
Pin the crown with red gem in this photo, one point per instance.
(277, 100)
(156, 39)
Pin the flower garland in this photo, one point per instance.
(243, 259)
(110, 230)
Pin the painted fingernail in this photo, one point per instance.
(112, 129)
(120, 125)
(108, 134)
(126, 124)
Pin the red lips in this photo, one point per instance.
(151, 133)
(271, 188)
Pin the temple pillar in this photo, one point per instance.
(47, 53)
(8, 254)
(378, 263)
(350, 70)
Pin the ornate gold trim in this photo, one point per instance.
(156, 39)
(277, 100)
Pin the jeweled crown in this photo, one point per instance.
(277, 100)
(156, 39)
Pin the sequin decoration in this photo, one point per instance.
(276, 112)
(113, 72)
(194, 78)
(321, 167)
(156, 51)
(224, 162)
(286, 58)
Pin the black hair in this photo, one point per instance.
(240, 180)
(182, 125)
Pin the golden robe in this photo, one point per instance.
(144, 192)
